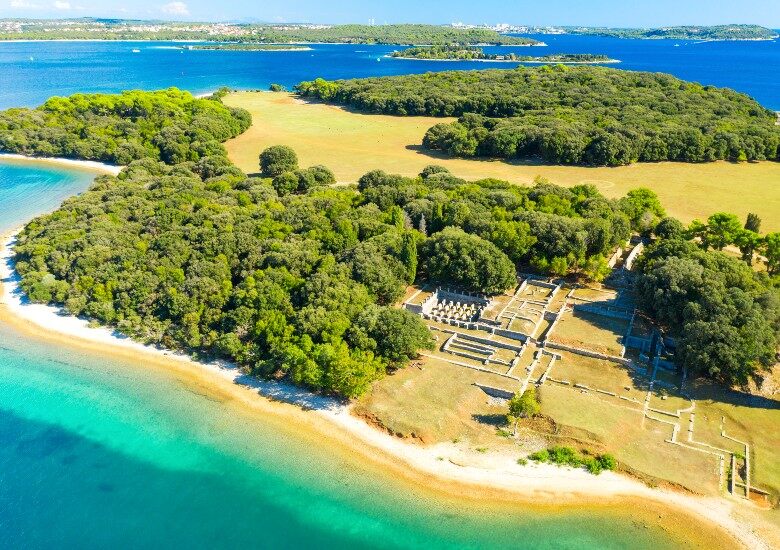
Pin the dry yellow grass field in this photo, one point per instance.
(352, 143)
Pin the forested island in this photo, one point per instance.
(120, 29)
(251, 47)
(470, 53)
(688, 32)
(293, 278)
(569, 115)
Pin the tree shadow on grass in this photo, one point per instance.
(708, 390)
(494, 420)
(526, 161)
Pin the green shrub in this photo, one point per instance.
(592, 465)
(540, 456)
(278, 159)
(607, 461)
(533, 112)
(566, 456)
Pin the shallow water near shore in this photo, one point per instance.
(30, 188)
(98, 451)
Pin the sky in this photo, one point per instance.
(636, 13)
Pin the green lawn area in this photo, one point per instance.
(595, 294)
(352, 144)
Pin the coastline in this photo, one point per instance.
(203, 41)
(445, 467)
(91, 165)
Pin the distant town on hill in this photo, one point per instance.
(400, 34)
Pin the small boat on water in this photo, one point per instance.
(136, 50)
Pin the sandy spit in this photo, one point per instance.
(84, 164)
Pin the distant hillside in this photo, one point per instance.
(118, 29)
(717, 32)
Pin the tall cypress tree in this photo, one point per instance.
(409, 255)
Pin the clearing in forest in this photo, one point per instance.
(352, 144)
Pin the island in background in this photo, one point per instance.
(251, 47)
(687, 32)
(470, 53)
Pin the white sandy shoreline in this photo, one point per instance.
(72, 163)
(448, 462)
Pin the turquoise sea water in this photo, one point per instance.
(27, 189)
(99, 453)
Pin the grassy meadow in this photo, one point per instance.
(352, 143)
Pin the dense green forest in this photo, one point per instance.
(196, 256)
(118, 29)
(689, 32)
(193, 254)
(569, 115)
(292, 278)
(724, 315)
(169, 125)
(471, 53)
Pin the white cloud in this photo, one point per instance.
(175, 8)
(22, 4)
(61, 5)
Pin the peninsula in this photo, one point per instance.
(469, 53)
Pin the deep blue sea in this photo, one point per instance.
(30, 72)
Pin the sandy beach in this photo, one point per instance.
(445, 467)
(90, 165)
